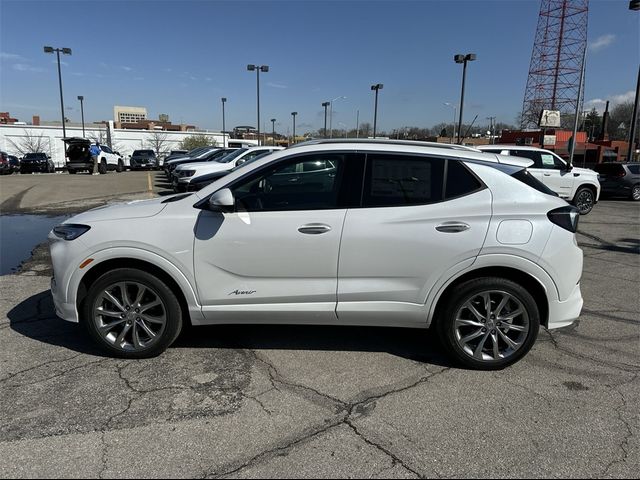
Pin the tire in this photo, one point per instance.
(635, 192)
(73, 172)
(102, 168)
(584, 200)
(137, 324)
(456, 322)
(120, 166)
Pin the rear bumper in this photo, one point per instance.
(563, 314)
(80, 166)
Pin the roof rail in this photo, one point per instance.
(383, 141)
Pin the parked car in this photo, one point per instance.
(192, 156)
(174, 154)
(212, 156)
(79, 158)
(5, 166)
(578, 186)
(371, 233)
(620, 179)
(14, 163)
(37, 162)
(185, 172)
(199, 182)
(143, 160)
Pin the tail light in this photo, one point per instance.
(620, 174)
(565, 217)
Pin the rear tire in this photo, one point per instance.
(148, 332)
(102, 168)
(635, 192)
(493, 338)
(584, 200)
(73, 172)
(120, 166)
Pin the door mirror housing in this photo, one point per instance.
(222, 201)
(240, 162)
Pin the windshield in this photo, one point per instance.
(232, 156)
(34, 155)
(143, 153)
(251, 160)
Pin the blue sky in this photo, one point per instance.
(179, 58)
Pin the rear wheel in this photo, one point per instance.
(73, 172)
(584, 200)
(489, 323)
(102, 168)
(132, 314)
(120, 166)
(635, 192)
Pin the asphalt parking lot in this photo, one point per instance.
(306, 402)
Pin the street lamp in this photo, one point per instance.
(634, 5)
(273, 131)
(65, 51)
(376, 87)
(224, 137)
(491, 120)
(469, 57)
(258, 69)
(455, 110)
(325, 105)
(293, 114)
(81, 98)
(331, 115)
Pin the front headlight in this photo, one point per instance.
(70, 231)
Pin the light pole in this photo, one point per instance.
(469, 57)
(258, 69)
(455, 110)
(224, 136)
(65, 51)
(375, 87)
(331, 115)
(358, 123)
(634, 5)
(81, 98)
(273, 131)
(293, 138)
(491, 119)
(325, 105)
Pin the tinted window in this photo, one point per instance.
(287, 186)
(460, 181)
(609, 168)
(635, 169)
(530, 154)
(525, 177)
(105, 149)
(399, 180)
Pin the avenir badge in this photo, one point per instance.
(242, 292)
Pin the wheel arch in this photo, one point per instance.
(127, 262)
(528, 281)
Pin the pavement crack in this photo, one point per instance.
(624, 443)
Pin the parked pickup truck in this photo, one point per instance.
(79, 157)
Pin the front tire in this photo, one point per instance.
(102, 168)
(488, 323)
(584, 200)
(635, 192)
(132, 314)
(120, 166)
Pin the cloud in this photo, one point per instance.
(23, 67)
(602, 42)
(599, 103)
(125, 68)
(276, 85)
(208, 79)
(11, 56)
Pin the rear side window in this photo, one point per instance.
(400, 180)
(460, 181)
(525, 177)
(530, 154)
(609, 168)
(635, 169)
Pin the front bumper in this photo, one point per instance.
(66, 311)
(34, 167)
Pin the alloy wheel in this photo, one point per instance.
(130, 316)
(491, 325)
(635, 193)
(585, 201)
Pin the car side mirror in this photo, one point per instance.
(569, 167)
(222, 201)
(240, 162)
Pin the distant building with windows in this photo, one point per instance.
(124, 114)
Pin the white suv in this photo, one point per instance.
(579, 186)
(376, 233)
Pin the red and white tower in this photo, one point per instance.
(556, 60)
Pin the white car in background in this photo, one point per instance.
(184, 173)
(579, 186)
(368, 232)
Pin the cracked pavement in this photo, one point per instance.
(307, 402)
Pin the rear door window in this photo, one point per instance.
(635, 169)
(402, 180)
(460, 181)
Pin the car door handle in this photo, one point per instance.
(453, 227)
(314, 229)
(547, 174)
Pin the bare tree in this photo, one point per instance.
(31, 143)
(98, 136)
(157, 141)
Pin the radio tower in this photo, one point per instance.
(556, 60)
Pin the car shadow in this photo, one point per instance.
(35, 318)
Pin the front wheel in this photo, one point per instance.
(584, 200)
(132, 314)
(489, 323)
(102, 168)
(635, 192)
(120, 166)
